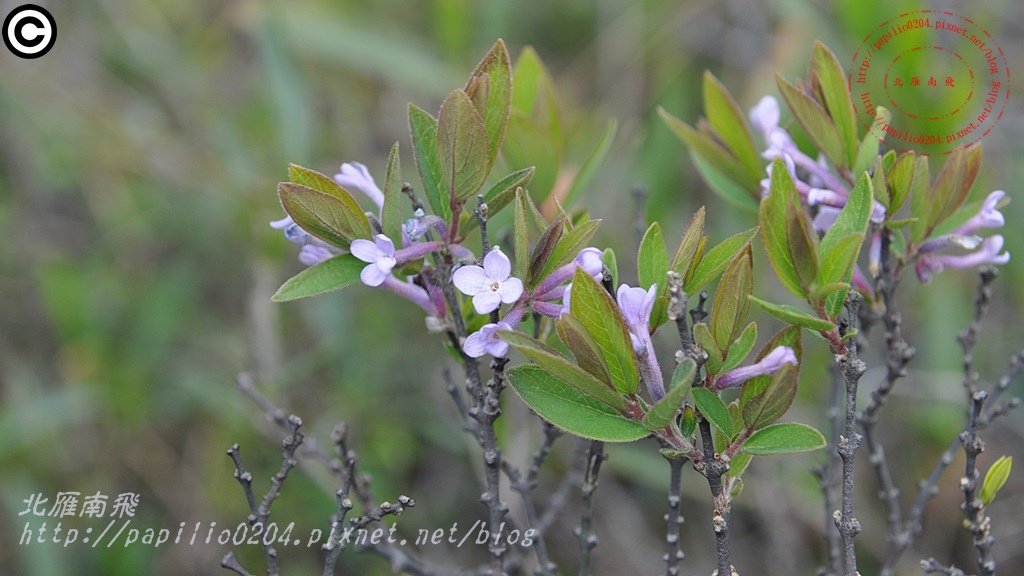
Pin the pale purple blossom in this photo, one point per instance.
(487, 341)
(636, 305)
(311, 254)
(380, 255)
(415, 294)
(988, 217)
(589, 259)
(355, 176)
(988, 253)
(764, 116)
(314, 250)
(968, 242)
(773, 362)
(825, 218)
(566, 299)
(489, 285)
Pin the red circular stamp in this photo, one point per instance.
(943, 78)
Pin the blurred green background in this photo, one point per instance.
(138, 163)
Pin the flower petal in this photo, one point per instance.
(282, 223)
(471, 280)
(497, 265)
(365, 250)
(510, 290)
(475, 345)
(486, 302)
(372, 275)
(384, 244)
(497, 347)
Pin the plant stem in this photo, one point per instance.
(852, 368)
(674, 518)
(714, 468)
(585, 530)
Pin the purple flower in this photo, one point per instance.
(314, 250)
(764, 116)
(566, 299)
(413, 293)
(988, 217)
(491, 284)
(988, 253)
(946, 240)
(355, 176)
(381, 257)
(636, 305)
(486, 341)
(773, 362)
(825, 218)
(589, 259)
(311, 254)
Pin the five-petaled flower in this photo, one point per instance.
(381, 257)
(487, 341)
(776, 360)
(489, 285)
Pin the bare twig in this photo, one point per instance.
(585, 530)
(674, 517)
(713, 468)
(525, 486)
(980, 524)
(933, 566)
(259, 513)
(852, 368)
(230, 562)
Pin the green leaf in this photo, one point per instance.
(582, 346)
(868, 150)
(504, 191)
(543, 250)
(841, 244)
(534, 134)
(688, 422)
(802, 242)
(919, 198)
(569, 373)
(322, 215)
(491, 82)
(836, 92)
(702, 336)
(843, 254)
(332, 274)
(995, 478)
(730, 124)
(765, 399)
(717, 157)
(569, 246)
(713, 409)
(594, 161)
(852, 220)
(740, 348)
(664, 412)
(785, 438)
(743, 196)
(423, 129)
(688, 244)
(773, 217)
(571, 410)
(713, 263)
(611, 264)
(521, 234)
(792, 315)
(461, 146)
(899, 179)
(599, 315)
(729, 310)
(391, 214)
(652, 259)
(815, 122)
(355, 217)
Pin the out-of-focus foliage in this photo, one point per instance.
(137, 169)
